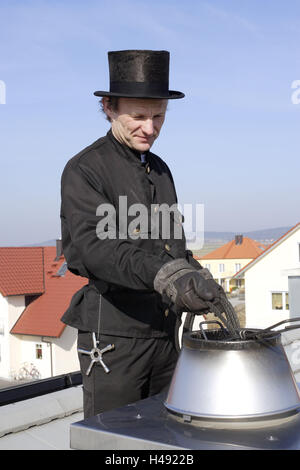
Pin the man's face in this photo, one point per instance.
(137, 121)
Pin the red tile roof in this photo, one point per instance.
(248, 249)
(42, 316)
(21, 270)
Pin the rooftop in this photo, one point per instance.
(42, 316)
(268, 250)
(242, 248)
(41, 423)
(21, 270)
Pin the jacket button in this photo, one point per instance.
(166, 312)
(167, 247)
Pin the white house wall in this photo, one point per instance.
(267, 275)
(4, 348)
(29, 355)
(16, 305)
(64, 352)
(59, 355)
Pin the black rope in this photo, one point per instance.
(222, 309)
(230, 320)
(177, 327)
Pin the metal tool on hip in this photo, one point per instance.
(96, 353)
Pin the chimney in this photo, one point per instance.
(238, 239)
(59, 250)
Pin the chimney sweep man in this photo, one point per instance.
(126, 314)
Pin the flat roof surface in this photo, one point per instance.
(41, 423)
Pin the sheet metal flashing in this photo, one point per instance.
(148, 425)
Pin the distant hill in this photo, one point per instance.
(269, 234)
(46, 243)
(215, 239)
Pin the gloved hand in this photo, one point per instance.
(187, 287)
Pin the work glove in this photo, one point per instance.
(187, 287)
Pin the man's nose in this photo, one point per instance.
(148, 128)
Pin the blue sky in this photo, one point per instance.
(232, 143)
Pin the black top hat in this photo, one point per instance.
(139, 74)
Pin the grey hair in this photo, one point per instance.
(113, 103)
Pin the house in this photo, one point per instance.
(227, 260)
(272, 281)
(35, 290)
(272, 289)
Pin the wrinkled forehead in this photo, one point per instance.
(142, 105)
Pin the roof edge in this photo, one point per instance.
(267, 251)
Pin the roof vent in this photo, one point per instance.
(238, 239)
(62, 270)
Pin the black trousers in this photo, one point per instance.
(139, 368)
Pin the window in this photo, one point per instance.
(39, 351)
(280, 301)
(298, 251)
(207, 266)
(237, 267)
(277, 301)
(221, 268)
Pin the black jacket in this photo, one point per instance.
(121, 269)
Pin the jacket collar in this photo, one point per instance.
(133, 155)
